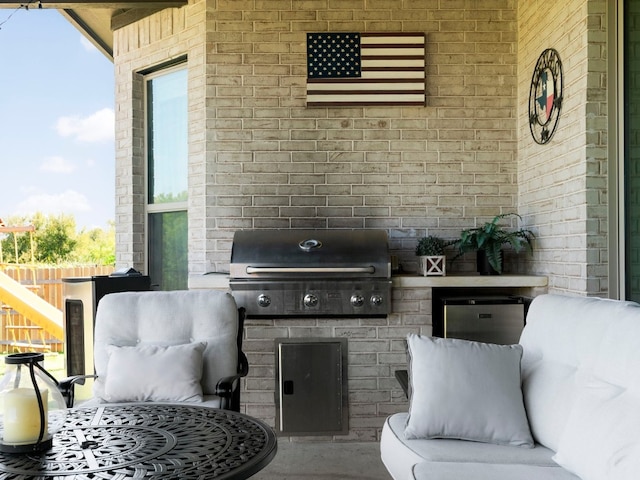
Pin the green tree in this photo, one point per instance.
(54, 237)
(171, 197)
(23, 242)
(56, 241)
(96, 246)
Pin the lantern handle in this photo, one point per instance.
(41, 368)
(41, 410)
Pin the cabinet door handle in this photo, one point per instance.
(287, 387)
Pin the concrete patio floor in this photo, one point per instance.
(324, 461)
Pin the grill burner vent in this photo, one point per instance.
(280, 273)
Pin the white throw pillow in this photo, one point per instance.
(466, 390)
(154, 373)
(601, 440)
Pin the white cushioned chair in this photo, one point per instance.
(174, 346)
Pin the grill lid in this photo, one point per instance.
(310, 253)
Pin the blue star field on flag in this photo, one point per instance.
(333, 55)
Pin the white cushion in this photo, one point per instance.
(466, 390)
(169, 318)
(561, 337)
(399, 454)
(601, 440)
(154, 373)
(487, 471)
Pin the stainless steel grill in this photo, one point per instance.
(279, 273)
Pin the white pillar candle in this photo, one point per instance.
(22, 416)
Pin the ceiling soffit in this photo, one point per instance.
(97, 19)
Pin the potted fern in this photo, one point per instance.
(430, 251)
(488, 241)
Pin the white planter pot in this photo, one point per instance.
(433, 265)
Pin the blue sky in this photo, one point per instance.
(56, 120)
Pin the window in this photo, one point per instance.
(167, 159)
(631, 149)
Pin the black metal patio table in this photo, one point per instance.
(148, 441)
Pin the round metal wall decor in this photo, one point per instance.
(545, 96)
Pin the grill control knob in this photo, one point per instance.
(357, 300)
(376, 300)
(310, 300)
(264, 300)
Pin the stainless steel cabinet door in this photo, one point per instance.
(311, 386)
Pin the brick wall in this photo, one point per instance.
(563, 184)
(376, 349)
(276, 163)
(260, 159)
(143, 46)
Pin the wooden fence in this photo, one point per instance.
(47, 283)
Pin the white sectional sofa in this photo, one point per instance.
(577, 384)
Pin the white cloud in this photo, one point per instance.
(97, 127)
(68, 201)
(87, 45)
(57, 164)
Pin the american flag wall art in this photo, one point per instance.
(360, 69)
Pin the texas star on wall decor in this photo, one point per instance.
(545, 96)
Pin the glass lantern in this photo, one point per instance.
(32, 408)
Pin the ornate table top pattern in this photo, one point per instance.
(145, 441)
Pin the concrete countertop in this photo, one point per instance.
(218, 281)
(505, 280)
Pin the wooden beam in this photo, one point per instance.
(78, 4)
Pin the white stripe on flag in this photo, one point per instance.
(362, 99)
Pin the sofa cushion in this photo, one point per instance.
(399, 454)
(466, 390)
(602, 438)
(154, 373)
(452, 450)
(485, 471)
(561, 338)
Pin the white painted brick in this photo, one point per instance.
(260, 159)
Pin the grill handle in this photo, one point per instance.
(370, 269)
